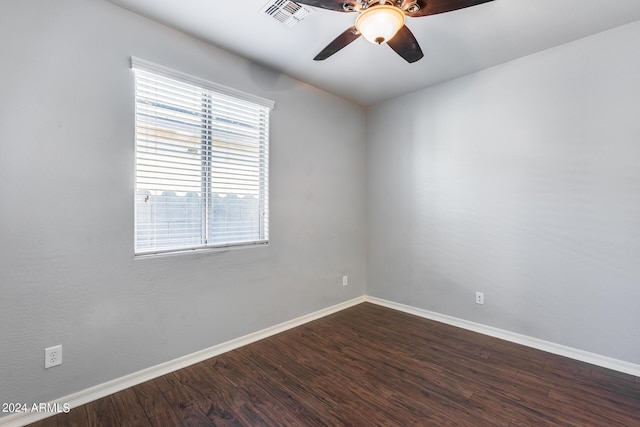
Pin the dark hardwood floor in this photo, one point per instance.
(372, 366)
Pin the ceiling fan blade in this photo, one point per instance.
(341, 41)
(405, 44)
(337, 5)
(433, 7)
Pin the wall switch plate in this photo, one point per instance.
(345, 280)
(479, 298)
(52, 356)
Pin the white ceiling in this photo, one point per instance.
(454, 43)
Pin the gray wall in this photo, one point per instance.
(67, 270)
(521, 181)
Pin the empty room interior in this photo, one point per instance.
(244, 213)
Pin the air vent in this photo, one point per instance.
(286, 12)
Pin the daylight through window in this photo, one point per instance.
(201, 163)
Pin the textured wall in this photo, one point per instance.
(521, 181)
(67, 271)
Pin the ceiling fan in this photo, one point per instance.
(382, 21)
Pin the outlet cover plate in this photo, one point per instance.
(52, 356)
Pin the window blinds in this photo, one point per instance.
(201, 163)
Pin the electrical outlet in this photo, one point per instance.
(345, 280)
(52, 356)
(479, 298)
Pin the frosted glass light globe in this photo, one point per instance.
(379, 24)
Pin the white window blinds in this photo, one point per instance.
(202, 154)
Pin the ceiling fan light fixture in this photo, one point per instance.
(379, 24)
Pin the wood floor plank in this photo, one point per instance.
(278, 387)
(194, 418)
(151, 398)
(165, 419)
(77, 417)
(614, 411)
(102, 412)
(51, 421)
(586, 390)
(136, 422)
(180, 403)
(127, 408)
(204, 395)
(176, 396)
(374, 366)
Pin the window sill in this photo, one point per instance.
(201, 250)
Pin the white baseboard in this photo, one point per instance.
(102, 390)
(561, 350)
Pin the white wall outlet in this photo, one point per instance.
(345, 280)
(52, 356)
(479, 298)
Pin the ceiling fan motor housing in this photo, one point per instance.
(409, 6)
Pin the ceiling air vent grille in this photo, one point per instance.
(285, 11)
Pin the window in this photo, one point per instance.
(202, 154)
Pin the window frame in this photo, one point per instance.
(215, 90)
